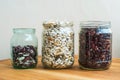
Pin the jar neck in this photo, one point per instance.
(24, 31)
(95, 24)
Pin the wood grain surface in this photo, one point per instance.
(74, 73)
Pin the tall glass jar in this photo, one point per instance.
(58, 45)
(24, 46)
(95, 51)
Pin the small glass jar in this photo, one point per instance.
(95, 50)
(24, 46)
(58, 45)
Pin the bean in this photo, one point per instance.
(95, 48)
(24, 57)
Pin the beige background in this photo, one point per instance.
(31, 13)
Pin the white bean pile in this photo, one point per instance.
(58, 47)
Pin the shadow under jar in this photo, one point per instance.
(58, 45)
(24, 46)
(95, 50)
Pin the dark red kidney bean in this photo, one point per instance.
(24, 57)
(95, 48)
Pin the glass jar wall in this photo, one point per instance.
(24, 46)
(95, 50)
(58, 45)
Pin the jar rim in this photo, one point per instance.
(58, 24)
(95, 24)
(24, 30)
(66, 23)
(50, 23)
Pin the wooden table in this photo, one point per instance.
(74, 73)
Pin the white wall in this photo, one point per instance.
(31, 13)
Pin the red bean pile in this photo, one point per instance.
(24, 57)
(95, 48)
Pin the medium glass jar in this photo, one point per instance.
(95, 50)
(24, 46)
(58, 45)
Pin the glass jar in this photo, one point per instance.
(58, 45)
(24, 46)
(95, 50)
